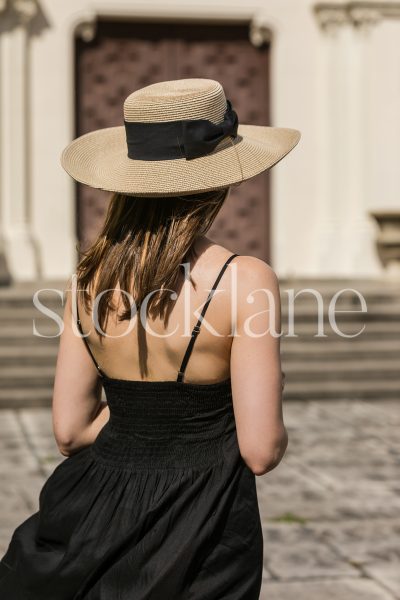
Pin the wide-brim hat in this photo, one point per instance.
(179, 137)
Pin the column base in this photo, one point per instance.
(20, 257)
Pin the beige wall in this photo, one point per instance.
(338, 84)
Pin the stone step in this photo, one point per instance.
(302, 312)
(26, 315)
(306, 331)
(30, 376)
(352, 297)
(339, 389)
(26, 397)
(363, 343)
(334, 349)
(23, 334)
(370, 284)
(43, 354)
(53, 301)
(322, 370)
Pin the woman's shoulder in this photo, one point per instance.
(252, 272)
(255, 267)
(256, 281)
(250, 267)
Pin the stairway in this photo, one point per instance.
(27, 360)
(366, 366)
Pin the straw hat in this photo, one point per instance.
(179, 137)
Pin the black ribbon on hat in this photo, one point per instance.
(188, 138)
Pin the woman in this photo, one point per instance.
(156, 498)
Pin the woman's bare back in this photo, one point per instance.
(130, 352)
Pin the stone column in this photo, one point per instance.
(345, 228)
(16, 236)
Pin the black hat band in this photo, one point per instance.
(169, 140)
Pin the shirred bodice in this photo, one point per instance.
(165, 424)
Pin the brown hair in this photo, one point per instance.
(149, 237)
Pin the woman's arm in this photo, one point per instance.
(256, 373)
(75, 443)
(78, 411)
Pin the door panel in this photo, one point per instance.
(125, 56)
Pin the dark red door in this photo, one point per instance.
(125, 56)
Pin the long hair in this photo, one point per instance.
(141, 246)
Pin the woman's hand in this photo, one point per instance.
(88, 435)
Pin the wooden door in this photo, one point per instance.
(125, 56)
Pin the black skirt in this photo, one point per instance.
(160, 507)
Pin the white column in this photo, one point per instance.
(327, 167)
(358, 228)
(18, 242)
(344, 232)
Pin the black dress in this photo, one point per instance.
(160, 507)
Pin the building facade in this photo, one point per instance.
(329, 69)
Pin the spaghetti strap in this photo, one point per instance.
(100, 372)
(196, 328)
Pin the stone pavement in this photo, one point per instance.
(330, 510)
